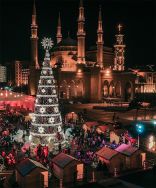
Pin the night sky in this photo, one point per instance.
(137, 17)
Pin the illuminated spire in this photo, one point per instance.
(34, 15)
(34, 39)
(59, 33)
(81, 3)
(59, 20)
(81, 12)
(100, 14)
(34, 8)
(81, 35)
(100, 41)
(100, 30)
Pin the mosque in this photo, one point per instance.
(92, 75)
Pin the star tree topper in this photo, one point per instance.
(47, 43)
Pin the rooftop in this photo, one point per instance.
(28, 165)
(126, 149)
(63, 160)
(107, 153)
(67, 42)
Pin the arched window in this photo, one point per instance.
(72, 87)
(118, 89)
(63, 89)
(79, 88)
(105, 88)
(112, 89)
(128, 91)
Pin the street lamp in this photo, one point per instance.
(154, 122)
(140, 130)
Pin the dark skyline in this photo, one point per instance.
(137, 17)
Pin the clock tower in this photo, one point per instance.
(119, 59)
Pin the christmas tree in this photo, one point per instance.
(46, 126)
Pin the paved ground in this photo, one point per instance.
(106, 116)
(148, 178)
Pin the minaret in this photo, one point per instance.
(81, 35)
(119, 59)
(59, 34)
(34, 40)
(100, 41)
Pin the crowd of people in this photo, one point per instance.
(83, 144)
(11, 122)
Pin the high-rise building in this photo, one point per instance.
(3, 73)
(21, 73)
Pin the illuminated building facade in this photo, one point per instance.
(94, 74)
(21, 74)
(3, 73)
(145, 81)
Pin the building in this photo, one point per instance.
(111, 158)
(131, 156)
(122, 158)
(67, 168)
(3, 74)
(30, 173)
(21, 73)
(91, 75)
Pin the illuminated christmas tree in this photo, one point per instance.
(46, 126)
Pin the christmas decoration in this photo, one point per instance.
(46, 126)
(41, 130)
(42, 110)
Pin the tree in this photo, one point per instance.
(46, 127)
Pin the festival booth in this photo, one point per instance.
(16, 100)
(90, 125)
(30, 173)
(110, 157)
(130, 155)
(67, 168)
(71, 117)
